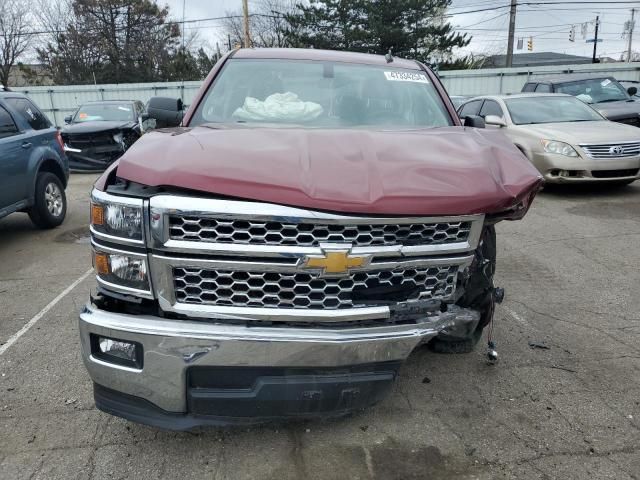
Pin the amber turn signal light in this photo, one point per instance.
(97, 214)
(101, 263)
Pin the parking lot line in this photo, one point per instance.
(14, 338)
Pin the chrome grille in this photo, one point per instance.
(612, 150)
(252, 232)
(304, 290)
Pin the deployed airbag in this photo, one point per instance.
(279, 107)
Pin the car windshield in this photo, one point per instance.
(548, 109)
(595, 90)
(321, 95)
(104, 112)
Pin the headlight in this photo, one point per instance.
(122, 271)
(117, 217)
(560, 148)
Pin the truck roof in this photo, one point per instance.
(313, 54)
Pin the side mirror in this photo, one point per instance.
(632, 91)
(473, 121)
(68, 119)
(168, 112)
(495, 120)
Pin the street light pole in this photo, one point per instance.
(245, 14)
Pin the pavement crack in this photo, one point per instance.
(37, 469)
(584, 237)
(296, 454)
(97, 437)
(219, 466)
(369, 462)
(570, 322)
(582, 453)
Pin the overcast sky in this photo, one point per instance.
(548, 24)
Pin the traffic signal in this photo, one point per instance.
(530, 44)
(572, 34)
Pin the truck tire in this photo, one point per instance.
(479, 296)
(50, 206)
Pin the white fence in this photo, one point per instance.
(59, 101)
(510, 80)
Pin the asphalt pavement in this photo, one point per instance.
(562, 402)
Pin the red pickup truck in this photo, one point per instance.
(313, 218)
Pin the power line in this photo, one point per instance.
(466, 27)
(564, 2)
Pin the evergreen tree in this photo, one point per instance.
(410, 28)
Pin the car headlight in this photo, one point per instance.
(117, 217)
(559, 148)
(122, 270)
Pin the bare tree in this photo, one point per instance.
(52, 18)
(266, 23)
(15, 35)
(108, 41)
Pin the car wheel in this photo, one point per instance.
(50, 205)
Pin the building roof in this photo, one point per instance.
(320, 55)
(569, 77)
(535, 59)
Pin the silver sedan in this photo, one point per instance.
(566, 140)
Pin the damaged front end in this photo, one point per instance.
(94, 151)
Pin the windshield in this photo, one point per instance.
(542, 109)
(119, 112)
(322, 95)
(596, 90)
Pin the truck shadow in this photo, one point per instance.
(600, 190)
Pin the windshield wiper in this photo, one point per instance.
(611, 100)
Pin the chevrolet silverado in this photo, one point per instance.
(313, 218)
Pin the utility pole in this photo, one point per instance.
(183, 23)
(245, 14)
(512, 32)
(630, 33)
(595, 41)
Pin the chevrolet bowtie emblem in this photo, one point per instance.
(336, 262)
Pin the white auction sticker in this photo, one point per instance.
(406, 77)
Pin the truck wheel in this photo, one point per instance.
(50, 205)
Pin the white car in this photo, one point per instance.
(566, 139)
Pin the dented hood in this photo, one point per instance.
(441, 171)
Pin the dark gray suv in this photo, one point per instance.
(603, 93)
(33, 167)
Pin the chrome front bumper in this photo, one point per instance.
(171, 347)
(549, 163)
